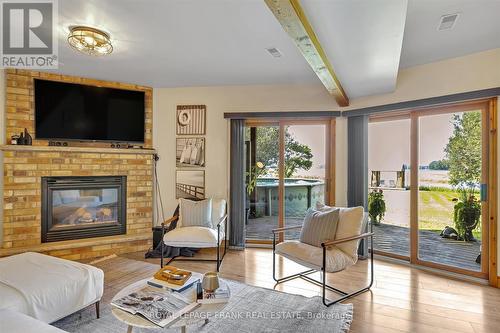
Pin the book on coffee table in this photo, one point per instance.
(194, 278)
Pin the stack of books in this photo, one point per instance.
(221, 295)
(173, 279)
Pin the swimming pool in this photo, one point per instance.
(300, 194)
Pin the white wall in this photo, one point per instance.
(230, 99)
(468, 73)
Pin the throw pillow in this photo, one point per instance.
(319, 227)
(195, 213)
(351, 223)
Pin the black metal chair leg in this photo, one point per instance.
(218, 246)
(354, 293)
(97, 310)
(162, 244)
(290, 277)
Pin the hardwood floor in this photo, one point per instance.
(402, 299)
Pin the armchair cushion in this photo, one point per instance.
(195, 213)
(218, 210)
(319, 226)
(312, 256)
(351, 223)
(194, 237)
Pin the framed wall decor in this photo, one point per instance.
(190, 184)
(190, 152)
(191, 119)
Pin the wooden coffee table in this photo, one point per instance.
(201, 314)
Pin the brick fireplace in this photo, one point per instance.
(27, 167)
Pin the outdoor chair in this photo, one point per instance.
(190, 233)
(332, 255)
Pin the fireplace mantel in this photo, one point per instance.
(76, 149)
(24, 167)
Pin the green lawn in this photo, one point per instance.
(436, 210)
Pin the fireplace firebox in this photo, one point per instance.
(83, 207)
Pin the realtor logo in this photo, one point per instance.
(29, 37)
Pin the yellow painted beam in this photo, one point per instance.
(294, 21)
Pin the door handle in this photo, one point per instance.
(484, 192)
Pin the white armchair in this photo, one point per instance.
(210, 235)
(333, 255)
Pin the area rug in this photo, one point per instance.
(250, 309)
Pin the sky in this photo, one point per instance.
(389, 141)
(315, 137)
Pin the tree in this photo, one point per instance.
(439, 165)
(297, 155)
(463, 152)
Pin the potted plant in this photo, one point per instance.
(252, 175)
(376, 206)
(466, 215)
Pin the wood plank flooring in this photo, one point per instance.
(402, 299)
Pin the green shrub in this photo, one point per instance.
(466, 215)
(376, 206)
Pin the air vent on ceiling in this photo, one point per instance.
(274, 52)
(447, 22)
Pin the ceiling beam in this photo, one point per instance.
(294, 21)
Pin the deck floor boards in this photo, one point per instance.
(389, 238)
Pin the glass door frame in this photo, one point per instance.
(489, 177)
(329, 167)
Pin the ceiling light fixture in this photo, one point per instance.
(90, 40)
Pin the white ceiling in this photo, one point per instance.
(476, 29)
(362, 40)
(172, 43)
(175, 43)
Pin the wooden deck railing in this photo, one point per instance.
(192, 190)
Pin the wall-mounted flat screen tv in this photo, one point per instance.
(67, 111)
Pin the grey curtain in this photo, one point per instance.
(357, 168)
(237, 185)
(357, 161)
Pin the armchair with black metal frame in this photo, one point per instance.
(324, 246)
(221, 223)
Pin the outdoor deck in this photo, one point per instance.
(389, 238)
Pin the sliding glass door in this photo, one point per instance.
(452, 170)
(428, 186)
(389, 183)
(262, 183)
(288, 172)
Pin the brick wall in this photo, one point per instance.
(24, 166)
(20, 99)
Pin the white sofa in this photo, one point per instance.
(17, 322)
(48, 288)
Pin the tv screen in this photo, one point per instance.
(67, 111)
